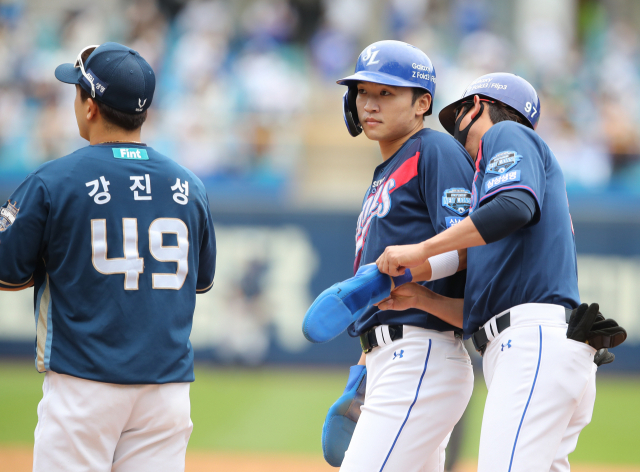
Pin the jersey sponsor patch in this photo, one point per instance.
(8, 216)
(513, 176)
(133, 154)
(452, 220)
(502, 162)
(457, 200)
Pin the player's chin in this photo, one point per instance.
(375, 131)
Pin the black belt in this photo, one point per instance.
(368, 339)
(480, 338)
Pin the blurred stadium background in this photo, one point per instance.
(246, 98)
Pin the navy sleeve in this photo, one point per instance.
(207, 265)
(504, 214)
(22, 226)
(512, 159)
(446, 173)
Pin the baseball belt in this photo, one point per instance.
(480, 338)
(369, 339)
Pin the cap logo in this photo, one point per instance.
(141, 104)
(370, 55)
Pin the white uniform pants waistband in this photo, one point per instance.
(533, 313)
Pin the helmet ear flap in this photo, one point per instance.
(350, 111)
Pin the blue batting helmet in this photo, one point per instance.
(502, 87)
(390, 63)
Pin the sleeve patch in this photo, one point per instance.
(502, 162)
(509, 177)
(452, 220)
(457, 200)
(8, 216)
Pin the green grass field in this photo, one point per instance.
(283, 410)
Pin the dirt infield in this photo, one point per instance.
(18, 459)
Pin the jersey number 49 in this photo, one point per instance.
(132, 265)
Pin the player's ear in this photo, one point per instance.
(92, 109)
(423, 104)
(476, 107)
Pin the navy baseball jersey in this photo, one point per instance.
(117, 240)
(420, 191)
(537, 263)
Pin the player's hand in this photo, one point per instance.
(406, 296)
(396, 259)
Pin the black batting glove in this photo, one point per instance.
(581, 322)
(606, 334)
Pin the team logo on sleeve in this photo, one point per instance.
(502, 162)
(457, 200)
(8, 216)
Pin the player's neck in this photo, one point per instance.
(102, 133)
(389, 148)
(481, 127)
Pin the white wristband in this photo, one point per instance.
(444, 265)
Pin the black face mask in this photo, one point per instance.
(461, 136)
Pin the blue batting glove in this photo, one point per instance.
(343, 416)
(343, 303)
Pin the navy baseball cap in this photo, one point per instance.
(114, 75)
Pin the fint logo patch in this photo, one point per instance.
(133, 154)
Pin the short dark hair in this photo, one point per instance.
(417, 93)
(128, 121)
(500, 112)
(118, 118)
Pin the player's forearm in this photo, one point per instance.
(421, 273)
(424, 272)
(462, 258)
(461, 236)
(447, 309)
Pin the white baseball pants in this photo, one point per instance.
(99, 427)
(541, 393)
(417, 389)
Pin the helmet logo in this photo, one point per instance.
(370, 55)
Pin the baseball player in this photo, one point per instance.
(419, 375)
(521, 283)
(116, 240)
